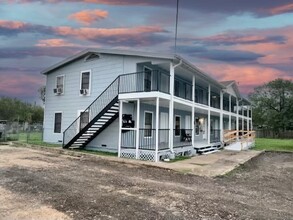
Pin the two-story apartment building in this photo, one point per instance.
(141, 105)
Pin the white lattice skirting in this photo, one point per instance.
(128, 153)
(144, 154)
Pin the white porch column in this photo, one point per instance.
(192, 111)
(242, 112)
(171, 106)
(251, 126)
(230, 110)
(157, 128)
(120, 126)
(209, 115)
(221, 117)
(247, 119)
(137, 129)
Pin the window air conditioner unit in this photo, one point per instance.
(58, 91)
(84, 91)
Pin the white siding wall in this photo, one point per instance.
(103, 72)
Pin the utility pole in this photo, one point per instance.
(176, 27)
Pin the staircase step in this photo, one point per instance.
(109, 114)
(106, 117)
(210, 152)
(112, 110)
(207, 149)
(103, 120)
(93, 129)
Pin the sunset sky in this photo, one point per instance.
(250, 41)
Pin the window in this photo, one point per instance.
(148, 124)
(84, 120)
(200, 96)
(188, 91)
(176, 88)
(59, 89)
(147, 79)
(177, 125)
(85, 82)
(57, 122)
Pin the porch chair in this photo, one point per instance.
(185, 136)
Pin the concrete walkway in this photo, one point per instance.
(211, 165)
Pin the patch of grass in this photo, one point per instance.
(273, 144)
(178, 158)
(39, 143)
(100, 153)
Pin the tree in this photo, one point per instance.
(16, 110)
(42, 93)
(273, 105)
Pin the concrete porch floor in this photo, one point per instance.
(211, 165)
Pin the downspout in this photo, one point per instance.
(171, 104)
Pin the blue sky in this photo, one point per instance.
(248, 41)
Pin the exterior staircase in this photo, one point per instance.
(101, 112)
(209, 149)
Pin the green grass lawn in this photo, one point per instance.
(274, 144)
(35, 138)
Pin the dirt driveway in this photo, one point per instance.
(41, 185)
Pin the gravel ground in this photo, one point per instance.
(41, 185)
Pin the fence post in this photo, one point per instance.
(28, 133)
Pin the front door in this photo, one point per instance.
(83, 120)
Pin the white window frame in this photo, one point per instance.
(144, 123)
(179, 116)
(90, 82)
(55, 121)
(63, 89)
(78, 115)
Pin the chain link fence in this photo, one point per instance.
(22, 132)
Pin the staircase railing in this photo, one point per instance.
(126, 83)
(92, 110)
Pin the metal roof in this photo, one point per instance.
(170, 57)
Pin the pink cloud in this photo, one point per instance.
(248, 76)
(88, 17)
(274, 53)
(282, 9)
(20, 85)
(90, 33)
(55, 42)
(12, 24)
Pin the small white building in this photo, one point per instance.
(141, 105)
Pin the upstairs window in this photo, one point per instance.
(85, 82)
(176, 88)
(57, 122)
(59, 89)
